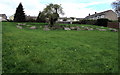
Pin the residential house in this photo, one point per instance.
(65, 19)
(31, 17)
(11, 17)
(109, 14)
(3, 17)
(27, 17)
(69, 20)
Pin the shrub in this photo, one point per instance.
(102, 22)
(91, 22)
(76, 22)
(65, 19)
(30, 20)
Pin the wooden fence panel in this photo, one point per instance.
(113, 25)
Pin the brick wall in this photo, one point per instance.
(113, 25)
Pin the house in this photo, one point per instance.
(3, 17)
(61, 19)
(11, 17)
(109, 14)
(31, 17)
(27, 17)
(67, 20)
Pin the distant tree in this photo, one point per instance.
(72, 18)
(41, 17)
(116, 6)
(65, 19)
(19, 15)
(89, 14)
(38, 17)
(52, 12)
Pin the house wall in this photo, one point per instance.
(111, 15)
(0, 19)
(3, 17)
(11, 17)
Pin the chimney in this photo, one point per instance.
(89, 14)
(95, 12)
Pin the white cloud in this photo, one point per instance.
(72, 8)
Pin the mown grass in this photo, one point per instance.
(58, 51)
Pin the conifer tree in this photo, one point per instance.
(19, 15)
(41, 17)
(38, 18)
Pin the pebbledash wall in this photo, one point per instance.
(114, 25)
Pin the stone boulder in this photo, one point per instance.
(73, 28)
(86, 28)
(66, 28)
(78, 28)
(102, 30)
(46, 26)
(90, 29)
(19, 27)
(46, 29)
(57, 27)
(22, 24)
(114, 30)
(33, 27)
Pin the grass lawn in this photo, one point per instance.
(58, 51)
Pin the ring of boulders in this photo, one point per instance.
(66, 27)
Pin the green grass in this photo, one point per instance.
(58, 51)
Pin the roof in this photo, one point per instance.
(69, 18)
(2, 15)
(31, 17)
(98, 14)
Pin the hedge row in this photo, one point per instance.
(99, 22)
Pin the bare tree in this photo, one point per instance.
(116, 7)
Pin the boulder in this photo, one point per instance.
(78, 28)
(66, 28)
(102, 30)
(46, 29)
(73, 28)
(90, 29)
(114, 30)
(21, 24)
(86, 28)
(33, 27)
(97, 28)
(46, 26)
(19, 27)
(57, 27)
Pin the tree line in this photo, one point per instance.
(50, 14)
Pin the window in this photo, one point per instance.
(102, 16)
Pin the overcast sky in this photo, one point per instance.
(72, 8)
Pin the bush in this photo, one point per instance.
(91, 22)
(76, 22)
(30, 20)
(102, 22)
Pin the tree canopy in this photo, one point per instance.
(41, 17)
(19, 14)
(52, 12)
